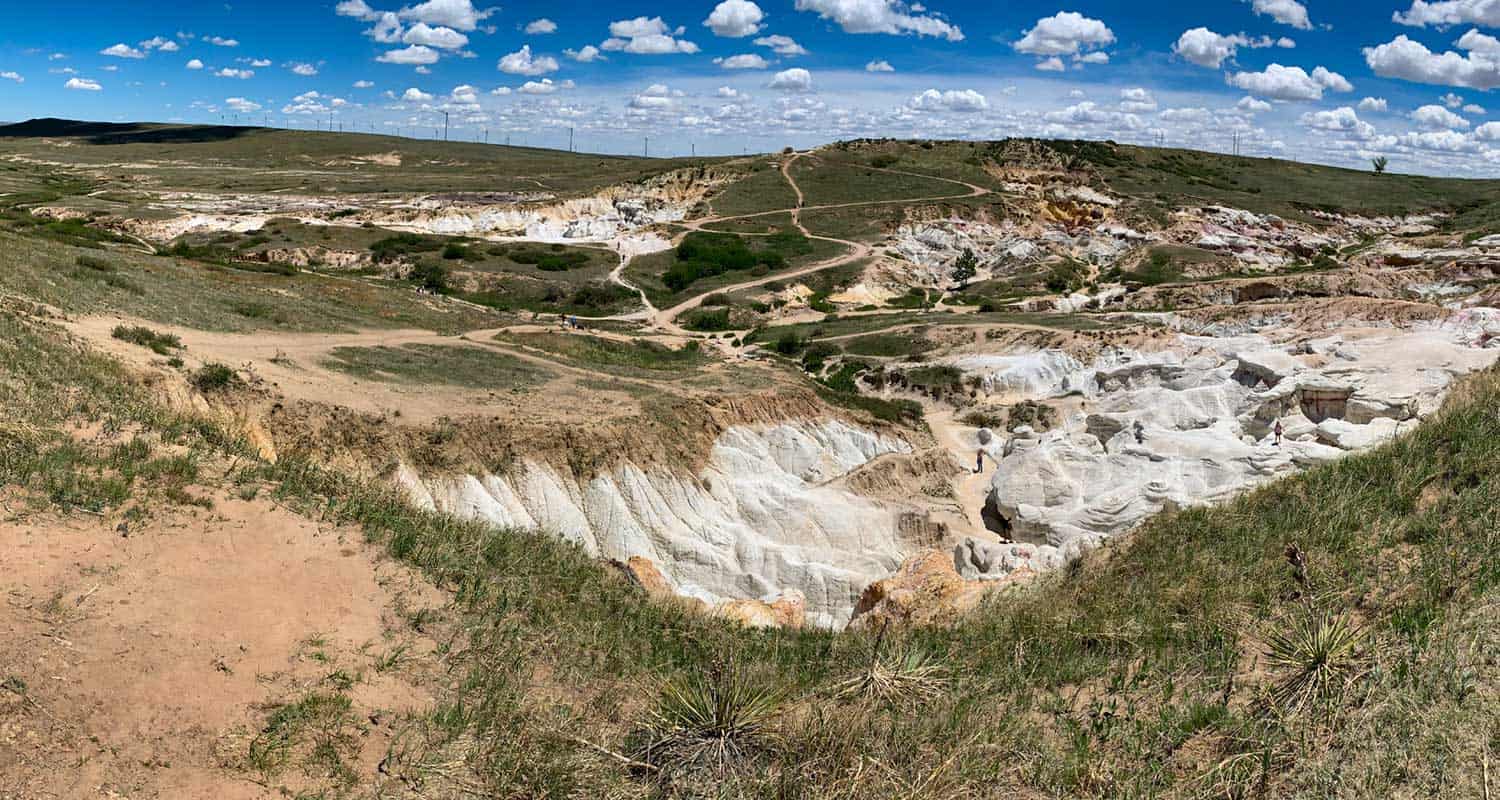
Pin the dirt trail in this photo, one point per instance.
(972, 487)
(150, 654)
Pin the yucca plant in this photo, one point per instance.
(909, 677)
(1317, 656)
(710, 719)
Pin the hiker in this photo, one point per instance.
(1140, 432)
(978, 461)
(1277, 431)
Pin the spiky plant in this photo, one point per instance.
(908, 677)
(1317, 656)
(710, 719)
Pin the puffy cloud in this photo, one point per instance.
(387, 28)
(1375, 104)
(544, 86)
(586, 54)
(194, 64)
(1206, 48)
(1137, 101)
(655, 97)
(726, 93)
(160, 43)
(1440, 141)
(416, 54)
(358, 9)
(1475, 109)
(255, 62)
(1452, 100)
(1289, 83)
(882, 16)
(522, 62)
(963, 100)
(439, 37)
(1287, 12)
(1450, 12)
(1065, 33)
(1489, 131)
(879, 65)
(83, 85)
(303, 69)
(122, 50)
(12, 76)
(745, 61)
(313, 103)
(241, 105)
(230, 72)
(1252, 105)
(783, 46)
(1341, 120)
(735, 19)
(538, 27)
(1053, 64)
(795, 79)
(221, 41)
(457, 14)
(1409, 60)
(415, 95)
(364, 84)
(646, 36)
(1437, 118)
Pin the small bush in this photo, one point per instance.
(716, 299)
(454, 251)
(160, 343)
(96, 263)
(214, 377)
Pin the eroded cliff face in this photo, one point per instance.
(1194, 423)
(761, 520)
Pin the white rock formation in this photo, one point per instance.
(1175, 429)
(757, 522)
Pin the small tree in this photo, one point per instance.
(965, 268)
(1379, 163)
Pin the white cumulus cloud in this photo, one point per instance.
(522, 62)
(83, 85)
(1374, 104)
(879, 65)
(416, 54)
(122, 50)
(1444, 13)
(882, 16)
(646, 36)
(960, 100)
(735, 19)
(745, 61)
(586, 54)
(1437, 118)
(1287, 12)
(1289, 83)
(1065, 33)
(795, 79)
(440, 37)
(1411, 60)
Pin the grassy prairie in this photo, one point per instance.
(762, 189)
(826, 182)
(636, 358)
(250, 159)
(450, 365)
(211, 297)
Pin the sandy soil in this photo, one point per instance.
(151, 655)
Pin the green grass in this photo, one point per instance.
(826, 181)
(259, 159)
(163, 344)
(639, 357)
(761, 189)
(446, 365)
(769, 255)
(181, 292)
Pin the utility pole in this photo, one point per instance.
(486, 135)
(445, 126)
(646, 151)
(694, 147)
(570, 140)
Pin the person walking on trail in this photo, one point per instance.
(1277, 431)
(978, 461)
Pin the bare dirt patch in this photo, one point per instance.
(143, 660)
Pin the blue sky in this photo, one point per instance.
(1317, 80)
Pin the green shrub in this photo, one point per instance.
(453, 251)
(159, 343)
(214, 377)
